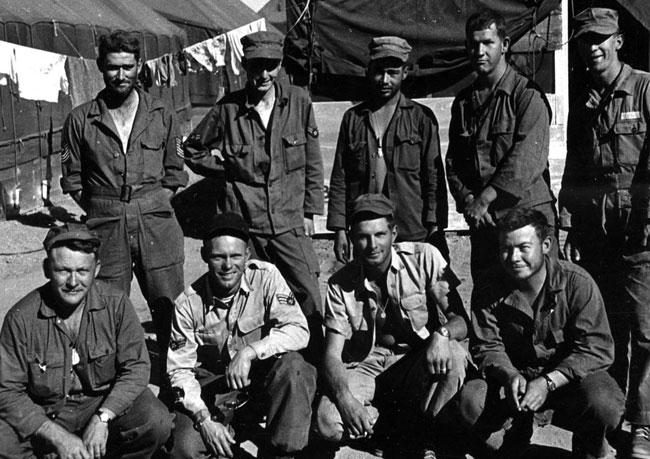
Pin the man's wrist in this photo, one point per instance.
(550, 384)
(442, 333)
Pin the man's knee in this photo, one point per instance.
(188, 443)
(603, 399)
(471, 401)
(293, 371)
(150, 421)
(328, 421)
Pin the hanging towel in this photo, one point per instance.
(7, 60)
(40, 74)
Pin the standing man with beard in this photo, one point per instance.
(605, 202)
(498, 141)
(389, 145)
(265, 139)
(120, 165)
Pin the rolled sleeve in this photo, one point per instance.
(288, 329)
(336, 316)
(70, 156)
(175, 176)
(132, 357)
(527, 159)
(336, 207)
(432, 175)
(182, 357)
(16, 407)
(591, 343)
(314, 199)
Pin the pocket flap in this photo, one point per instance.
(99, 351)
(250, 323)
(414, 302)
(152, 144)
(630, 127)
(292, 140)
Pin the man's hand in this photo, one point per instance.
(239, 368)
(572, 246)
(439, 355)
(217, 438)
(476, 213)
(95, 436)
(342, 246)
(355, 417)
(308, 223)
(536, 394)
(515, 389)
(67, 445)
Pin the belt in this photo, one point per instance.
(136, 191)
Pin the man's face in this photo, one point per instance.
(386, 77)
(372, 241)
(261, 73)
(226, 257)
(71, 274)
(487, 50)
(522, 252)
(120, 71)
(599, 52)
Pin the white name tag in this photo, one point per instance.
(630, 115)
(75, 357)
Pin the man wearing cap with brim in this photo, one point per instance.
(498, 141)
(240, 323)
(393, 324)
(389, 145)
(265, 138)
(605, 201)
(74, 365)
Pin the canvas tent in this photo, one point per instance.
(69, 27)
(335, 47)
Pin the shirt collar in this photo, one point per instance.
(209, 300)
(402, 103)
(622, 82)
(48, 303)
(281, 99)
(555, 281)
(145, 104)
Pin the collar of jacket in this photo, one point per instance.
(281, 99)
(358, 277)
(403, 103)
(146, 104)
(507, 82)
(622, 82)
(554, 283)
(204, 289)
(47, 308)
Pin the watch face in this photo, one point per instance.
(103, 417)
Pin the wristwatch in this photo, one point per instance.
(103, 416)
(550, 385)
(443, 331)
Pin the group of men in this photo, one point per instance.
(387, 358)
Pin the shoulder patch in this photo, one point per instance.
(313, 132)
(286, 299)
(179, 147)
(65, 152)
(177, 344)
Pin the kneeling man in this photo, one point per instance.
(542, 341)
(239, 321)
(74, 365)
(394, 321)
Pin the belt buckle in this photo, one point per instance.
(125, 193)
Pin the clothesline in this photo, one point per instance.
(42, 75)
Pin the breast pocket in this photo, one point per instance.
(501, 135)
(240, 162)
(45, 378)
(294, 151)
(354, 160)
(415, 307)
(630, 136)
(251, 327)
(408, 148)
(152, 151)
(101, 365)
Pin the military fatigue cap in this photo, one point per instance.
(69, 232)
(227, 224)
(262, 45)
(382, 47)
(371, 205)
(603, 21)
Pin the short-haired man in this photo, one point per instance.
(74, 366)
(498, 140)
(120, 164)
(605, 201)
(389, 145)
(394, 321)
(265, 139)
(239, 321)
(541, 340)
